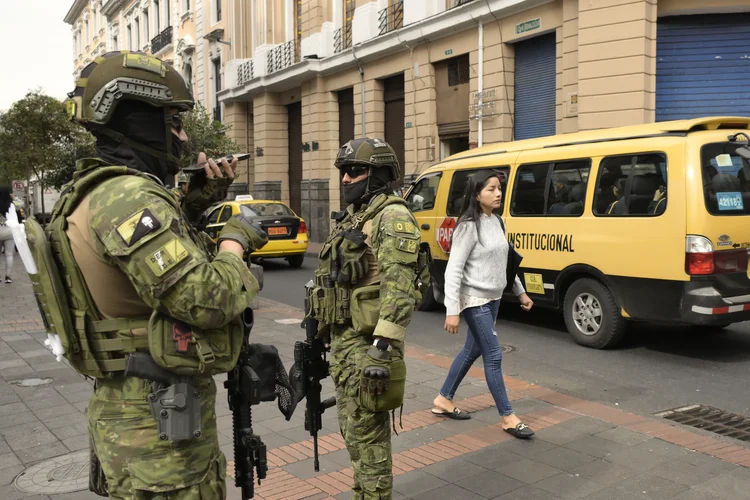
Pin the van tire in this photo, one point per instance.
(611, 329)
(429, 303)
(296, 261)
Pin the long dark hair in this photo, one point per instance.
(471, 209)
(5, 200)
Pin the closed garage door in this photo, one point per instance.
(295, 156)
(702, 66)
(393, 95)
(535, 83)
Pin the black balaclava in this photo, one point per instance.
(144, 124)
(363, 191)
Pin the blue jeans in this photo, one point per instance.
(480, 340)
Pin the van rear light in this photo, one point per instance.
(702, 260)
(302, 227)
(699, 256)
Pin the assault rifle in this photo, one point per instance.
(312, 367)
(243, 391)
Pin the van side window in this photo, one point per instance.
(423, 194)
(556, 189)
(632, 185)
(458, 186)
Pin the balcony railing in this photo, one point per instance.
(282, 56)
(391, 18)
(217, 114)
(458, 3)
(161, 40)
(245, 72)
(342, 38)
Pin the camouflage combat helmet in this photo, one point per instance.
(124, 75)
(375, 153)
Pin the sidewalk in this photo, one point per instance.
(581, 449)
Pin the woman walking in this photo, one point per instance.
(474, 282)
(6, 237)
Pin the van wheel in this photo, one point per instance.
(296, 260)
(592, 316)
(429, 302)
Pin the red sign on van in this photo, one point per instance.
(445, 233)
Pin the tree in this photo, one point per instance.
(205, 135)
(37, 137)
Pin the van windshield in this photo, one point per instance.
(726, 179)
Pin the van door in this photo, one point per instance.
(422, 199)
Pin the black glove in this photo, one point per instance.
(244, 231)
(352, 265)
(376, 375)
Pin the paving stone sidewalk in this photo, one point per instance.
(582, 449)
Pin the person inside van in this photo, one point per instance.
(618, 207)
(479, 244)
(659, 203)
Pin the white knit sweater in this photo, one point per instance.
(477, 268)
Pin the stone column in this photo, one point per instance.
(617, 63)
(270, 122)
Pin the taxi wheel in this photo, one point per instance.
(592, 316)
(296, 260)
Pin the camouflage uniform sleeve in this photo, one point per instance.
(397, 241)
(138, 228)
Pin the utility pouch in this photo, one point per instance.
(365, 308)
(187, 350)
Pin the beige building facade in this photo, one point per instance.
(296, 78)
(164, 28)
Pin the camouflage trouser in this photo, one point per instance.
(367, 434)
(140, 466)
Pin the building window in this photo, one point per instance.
(114, 42)
(137, 33)
(93, 17)
(145, 25)
(157, 16)
(188, 74)
(185, 6)
(168, 20)
(217, 88)
(129, 38)
(218, 10)
(458, 71)
(88, 35)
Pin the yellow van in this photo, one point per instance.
(643, 223)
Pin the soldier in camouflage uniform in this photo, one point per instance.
(364, 298)
(139, 258)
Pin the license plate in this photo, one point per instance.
(276, 231)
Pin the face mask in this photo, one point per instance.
(355, 191)
(177, 145)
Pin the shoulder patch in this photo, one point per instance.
(138, 226)
(403, 227)
(408, 245)
(167, 257)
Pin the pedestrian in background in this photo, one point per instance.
(6, 237)
(479, 244)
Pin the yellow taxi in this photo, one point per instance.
(287, 233)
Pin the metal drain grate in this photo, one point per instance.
(711, 419)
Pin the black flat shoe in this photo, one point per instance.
(456, 414)
(8, 280)
(521, 431)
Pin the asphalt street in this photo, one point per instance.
(655, 369)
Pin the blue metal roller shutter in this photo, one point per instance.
(535, 83)
(702, 66)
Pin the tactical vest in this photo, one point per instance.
(331, 302)
(94, 346)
